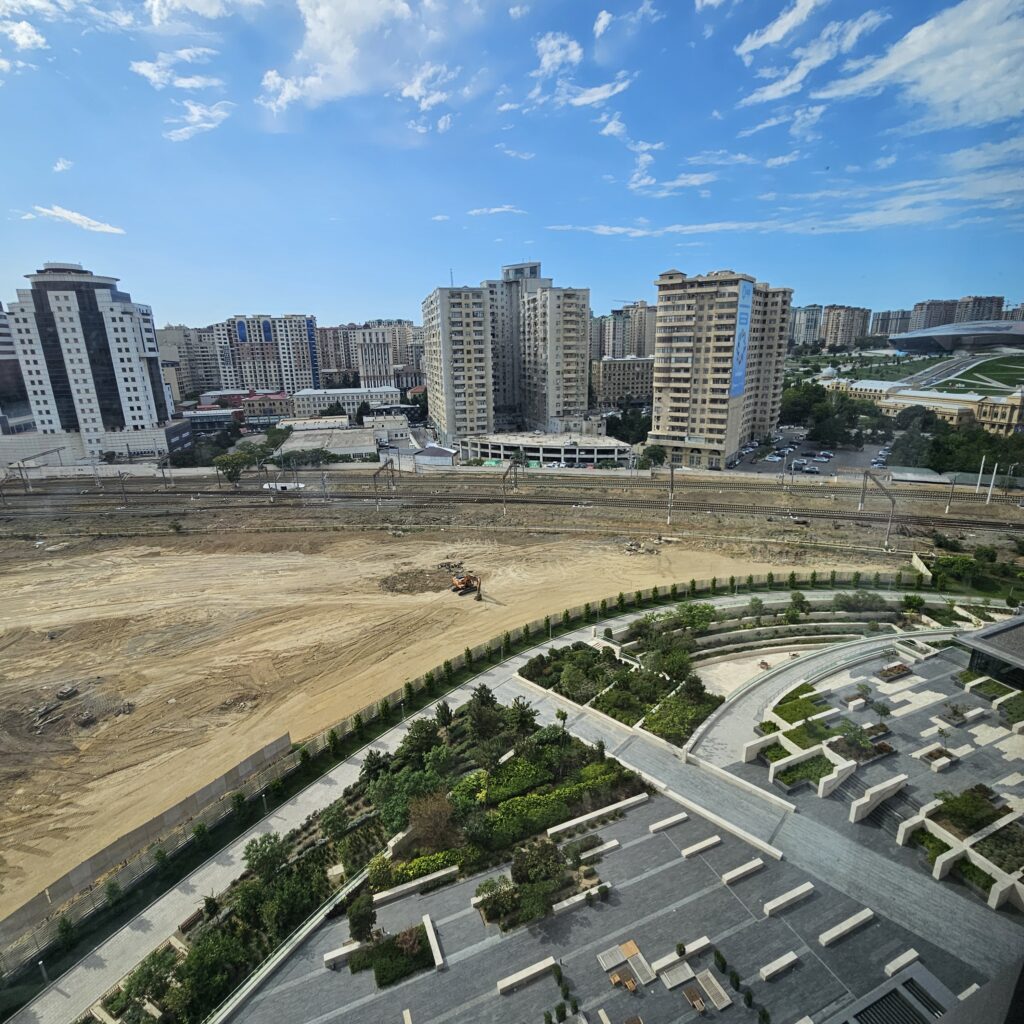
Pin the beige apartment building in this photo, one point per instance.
(718, 364)
(843, 325)
(277, 352)
(617, 381)
(457, 361)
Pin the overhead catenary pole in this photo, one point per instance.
(671, 491)
(977, 486)
(949, 499)
(991, 484)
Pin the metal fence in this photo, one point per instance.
(32, 943)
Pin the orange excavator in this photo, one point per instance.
(467, 583)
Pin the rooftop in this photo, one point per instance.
(551, 440)
(1003, 640)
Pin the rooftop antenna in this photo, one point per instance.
(451, 277)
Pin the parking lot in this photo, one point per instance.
(843, 460)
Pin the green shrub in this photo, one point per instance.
(811, 770)
(970, 873)
(774, 752)
(796, 710)
(768, 727)
(677, 717)
(560, 1012)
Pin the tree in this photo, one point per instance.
(361, 917)
(265, 855)
(913, 602)
(562, 717)
(443, 715)
(363, 410)
(232, 465)
(420, 739)
(430, 821)
(521, 718)
(541, 862)
(375, 764)
(113, 892)
(655, 454)
(755, 607)
(65, 933)
(484, 716)
(334, 409)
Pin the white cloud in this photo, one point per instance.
(700, 5)
(62, 164)
(771, 122)
(716, 115)
(440, 217)
(577, 96)
(988, 154)
(162, 11)
(160, 72)
(962, 66)
(426, 86)
(354, 47)
(788, 21)
(518, 11)
(444, 123)
(601, 23)
(556, 50)
(804, 122)
(78, 219)
(613, 126)
(487, 211)
(883, 162)
(198, 118)
(417, 126)
(720, 158)
(514, 153)
(23, 35)
(506, 107)
(836, 38)
(781, 161)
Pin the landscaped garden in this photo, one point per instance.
(1013, 709)
(968, 812)
(1004, 848)
(812, 770)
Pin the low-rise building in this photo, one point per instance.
(234, 396)
(388, 428)
(206, 421)
(331, 433)
(539, 449)
(624, 381)
(998, 414)
(313, 401)
(435, 456)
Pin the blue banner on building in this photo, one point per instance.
(314, 361)
(739, 352)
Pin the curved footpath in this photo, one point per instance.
(911, 898)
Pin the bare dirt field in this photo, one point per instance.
(190, 652)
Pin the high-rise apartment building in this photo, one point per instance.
(457, 361)
(554, 341)
(1013, 312)
(629, 331)
(275, 352)
(625, 381)
(718, 364)
(14, 408)
(89, 357)
(335, 346)
(932, 313)
(979, 307)
(841, 326)
(805, 325)
(887, 322)
(174, 362)
(374, 359)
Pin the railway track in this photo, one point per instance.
(172, 504)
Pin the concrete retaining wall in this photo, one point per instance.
(864, 805)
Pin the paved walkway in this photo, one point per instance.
(812, 845)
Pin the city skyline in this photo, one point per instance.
(821, 147)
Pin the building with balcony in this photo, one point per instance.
(718, 364)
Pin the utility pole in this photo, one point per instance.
(977, 486)
(124, 493)
(949, 498)
(671, 491)
(991, 484)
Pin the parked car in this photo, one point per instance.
(798, 463)
(828, 455)
(811, 469)
(773, 458)
(819, 458)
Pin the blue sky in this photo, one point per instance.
(340, 156)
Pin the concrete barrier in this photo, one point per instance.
(339, 956)
(526, 975)
(621, 805)
(435, 946)
(742, 871)
(783, 963)
(600, 851)
(697, 848)
(660, 826)
(844, 928)
(875, 795)
(903, 960)
(388, 895)
(697, 946)
(787, 899)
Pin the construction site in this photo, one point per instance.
(206, 621)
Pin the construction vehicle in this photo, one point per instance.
(467, 583)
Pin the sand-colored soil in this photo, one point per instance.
(221, 644)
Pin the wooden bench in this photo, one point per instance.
(693, 997)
